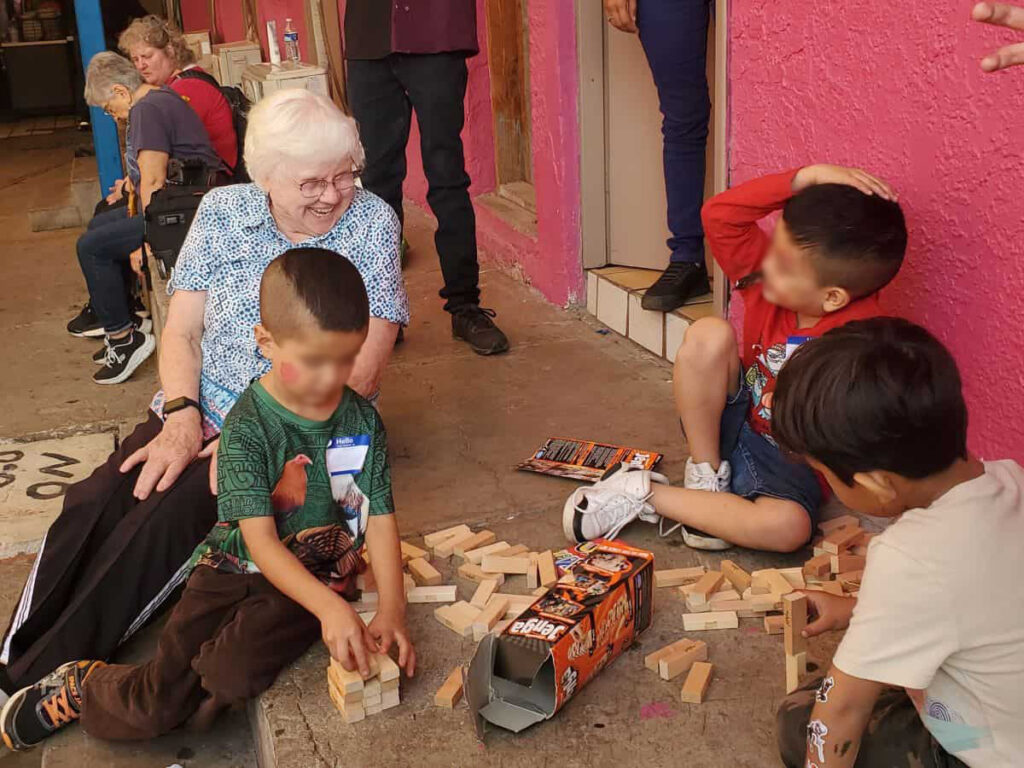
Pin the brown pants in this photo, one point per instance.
(895, 737)
(224, 643)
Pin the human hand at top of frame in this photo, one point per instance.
(1001, 15)
(621, 14)
(823, 173)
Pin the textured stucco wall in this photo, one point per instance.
(895, 88)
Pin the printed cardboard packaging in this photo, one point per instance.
(602, 602)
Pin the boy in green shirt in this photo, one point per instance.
(303, 480)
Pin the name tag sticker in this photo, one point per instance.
(793, 342)
(346, 455)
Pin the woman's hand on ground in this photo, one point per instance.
(347, 639)
(165, 457)
(827, 611)
(823, 173)
(211, 451)
(387, 629)
(1001, 15)
(621, 14)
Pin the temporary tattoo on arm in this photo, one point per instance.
(823, 690)
(816, 733)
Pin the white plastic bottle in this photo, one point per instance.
(291, 42)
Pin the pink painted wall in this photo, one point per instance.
(195, 15)
(895, 88)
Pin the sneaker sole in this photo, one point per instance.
(139, 356)
(704, 543)
(483, 351)
(92, 333)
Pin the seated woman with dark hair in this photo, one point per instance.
(161, 128)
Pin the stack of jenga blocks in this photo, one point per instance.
(355, 696)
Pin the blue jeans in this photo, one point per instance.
(103, 251)
(674, 36)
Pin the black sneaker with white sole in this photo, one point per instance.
(85, 324)
(143, 324)
(34, 713)
(123, 356)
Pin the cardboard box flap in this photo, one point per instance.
(477, 685)
(513, 717)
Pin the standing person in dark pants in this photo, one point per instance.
(413, 57)
(674, 36)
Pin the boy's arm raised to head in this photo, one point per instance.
(344, 633)
(731, 222)
(841, 712)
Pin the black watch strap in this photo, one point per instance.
(180, 403)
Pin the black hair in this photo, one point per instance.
(304, 284)
(857, 240)
(879, 394)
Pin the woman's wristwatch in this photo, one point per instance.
(179, 404)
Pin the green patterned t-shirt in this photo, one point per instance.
(320, 480)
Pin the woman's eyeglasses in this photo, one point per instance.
(343, 182)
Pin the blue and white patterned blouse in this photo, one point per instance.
(231, 241)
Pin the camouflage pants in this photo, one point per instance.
(895, 737)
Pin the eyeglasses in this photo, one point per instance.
(343, 182)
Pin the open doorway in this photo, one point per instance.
(623, 207)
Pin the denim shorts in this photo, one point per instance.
(759, 467)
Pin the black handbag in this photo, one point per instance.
(168, 218)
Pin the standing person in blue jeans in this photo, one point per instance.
(674, 36)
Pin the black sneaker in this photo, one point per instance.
(143, 324)
(86, 324)
(123, 356)
(475, 325)
(39, 711)
(679, 283)
(138, 308)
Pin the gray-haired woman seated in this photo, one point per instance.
(121, 544)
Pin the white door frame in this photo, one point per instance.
(590, 42)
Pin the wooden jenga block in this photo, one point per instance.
(695, 605)
(739, 578)
(447, 547)
(483, 593)
(448, 695)
(676, 577)
(818, 566)
(539, 591)
(347, 682)
(850, 580)
(796, 667)
(508, 565)
(517, 604)
(795, 576)
(413, 552)
(724, 596)
(845, 562)
(651, 659)
(774, 625)
(794, 614)
(408, 582)
(532, 572)
(477, 540)
(832, 587)
(478, 574)
(839, 540)
(351, 712)
(705, 586)
(677, 662)
(518, 549)
(843, 521)
(424, 573)
(431, 540)
(443, 593)
(546, 567)
(476, 555)
(495, 610)
(776, 583)
(694, 622)
(501, 626)
(755, 604)
(697, 682)
(390, 699)
(389, 670)
(458, 617)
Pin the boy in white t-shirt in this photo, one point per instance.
(876, 406)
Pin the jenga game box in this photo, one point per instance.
(601, 603)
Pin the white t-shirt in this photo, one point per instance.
(941, 613)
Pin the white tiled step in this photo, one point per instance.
(614, 296)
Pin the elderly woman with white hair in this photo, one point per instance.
(126, 533)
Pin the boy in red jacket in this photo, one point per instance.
(841, 238)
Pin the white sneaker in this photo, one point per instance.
(702, 477)
(603, 509)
